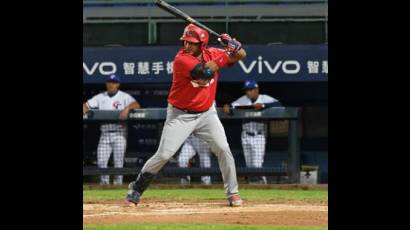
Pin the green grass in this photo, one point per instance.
(310, 196)
(194, 227)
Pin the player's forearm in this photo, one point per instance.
(240, 55)
(85, 108)
(223, 59)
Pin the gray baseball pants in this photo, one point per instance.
(207, 126)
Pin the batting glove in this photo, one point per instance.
(230, 45)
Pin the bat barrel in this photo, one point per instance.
(179, 14)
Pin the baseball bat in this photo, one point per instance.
(179, 14)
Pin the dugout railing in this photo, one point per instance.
(292, 170)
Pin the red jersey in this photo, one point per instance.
(184, 93)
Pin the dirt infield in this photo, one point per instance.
(164, 211)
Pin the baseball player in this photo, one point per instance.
(253, 132)
(191, 147)
(191, 109)
(114, 135)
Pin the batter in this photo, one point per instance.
(191, 109)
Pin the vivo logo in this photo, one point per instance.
(287, 66)
(104, 68)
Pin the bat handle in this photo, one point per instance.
(195, 22)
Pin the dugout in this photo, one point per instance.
(313, 124)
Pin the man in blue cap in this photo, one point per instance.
(113, 135)
(253, 131)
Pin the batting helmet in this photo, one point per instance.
(195, 34)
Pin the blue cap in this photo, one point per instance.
(250, 84)
(114, 78)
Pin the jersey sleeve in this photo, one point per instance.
(268, 99)
(238, 102)
(94, 102)
(129, 99)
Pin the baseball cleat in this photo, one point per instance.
(133, 197)
(235, 201)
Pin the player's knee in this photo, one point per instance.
(226, 149)
(223, 150)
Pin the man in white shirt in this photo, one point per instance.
(113, 135)
(253, 135)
